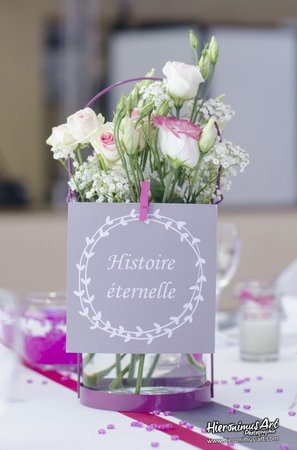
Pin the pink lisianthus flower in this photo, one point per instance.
(178, 140)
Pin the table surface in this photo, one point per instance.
(42, 414)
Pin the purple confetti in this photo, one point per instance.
(167, 413)
(224, 382)
(239, 381)
(279, 390)
(292, 413)
(110, 426)
(156, 412)
(259, 377)
(284, 447)
(155, 444)
(247, 379)
(232, 411)
(234, 378)
(29, 381)
(149, 428)
(44, 382)
(182, 423)
(247, 390)
(215, 382)
(246, 406)
(189, 426)
(175, 437)
(230, 444)
(101, 431)
(203, 430)
(236, 405)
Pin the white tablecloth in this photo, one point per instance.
(43, 415)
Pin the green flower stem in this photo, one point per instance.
(88, 358)
(131, 369)
(196, 170)
(102, 163)
(195, 103)
(198, 366)
(118, 380)
(168, 185)
(117, 122)
(209, 81)
(155, 151)
(135, 176)
(70, 175)
(177, 108)
(177, 173)
(94, 379)
(151, 370)
(139, 373)
(118, 363)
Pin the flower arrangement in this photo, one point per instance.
(165, 130)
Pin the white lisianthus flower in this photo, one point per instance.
(83, 125)
(104, 144)
(62, 142)
(183, 80)
(178, 140)
(132, 136)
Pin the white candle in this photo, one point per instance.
(259, 330)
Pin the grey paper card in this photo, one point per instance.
(141, 287)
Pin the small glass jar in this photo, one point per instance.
(259, 321)
(43, 328)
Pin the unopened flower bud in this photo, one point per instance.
(130, 105)
(132, 136)
(146, 110)
(164, 108)
(208, 136)
(149, 74)
(122, 104)
(135, 96)
(193, 40)
(204, 66)
(213, 51)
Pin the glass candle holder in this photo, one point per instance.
(259, 321)
(43, 327)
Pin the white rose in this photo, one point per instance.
(104, 143)
(62, 142)
(83, 125)
(182, 80)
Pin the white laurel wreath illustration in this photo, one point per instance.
(86, 299)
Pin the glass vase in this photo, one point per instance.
(138, 382)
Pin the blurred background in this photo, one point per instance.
(56, 54)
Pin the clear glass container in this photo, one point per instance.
(43, 330)
(8, 317)
(9, 313)
(259, 321)
(144, 374)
